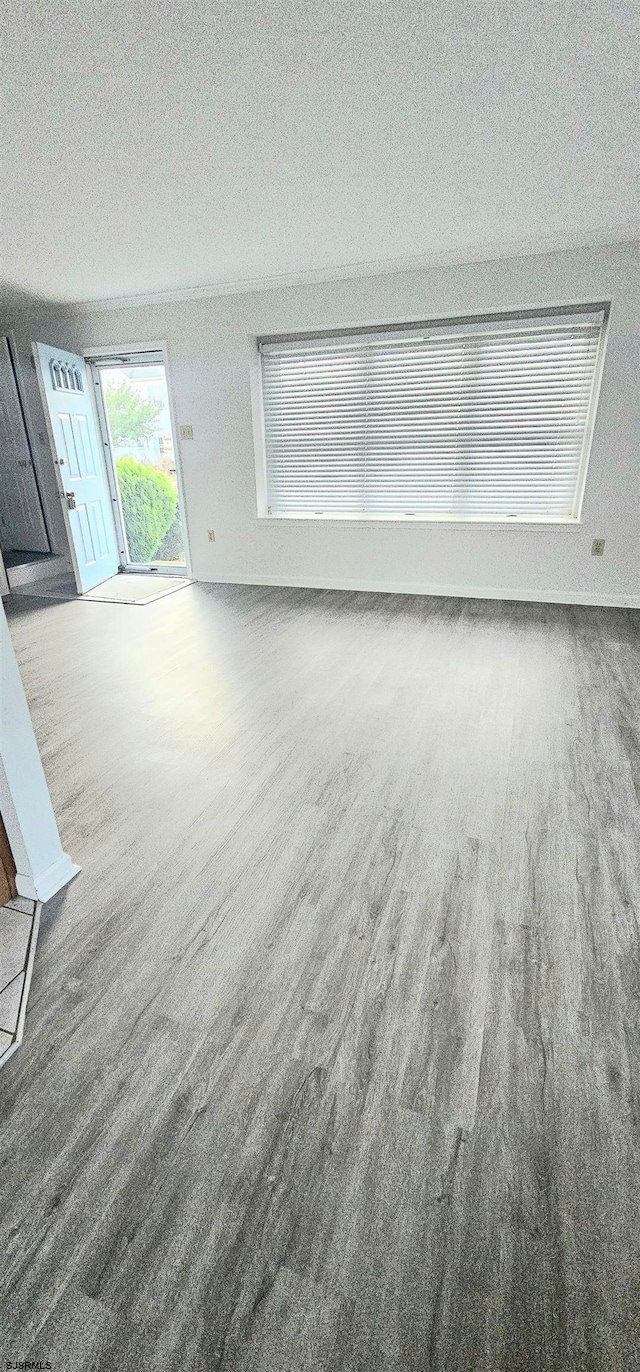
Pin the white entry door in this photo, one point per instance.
(22, 525)
(83, 479)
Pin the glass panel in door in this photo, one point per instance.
(142, 446)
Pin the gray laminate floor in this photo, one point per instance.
(332, 1053)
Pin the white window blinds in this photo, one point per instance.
(477, 421)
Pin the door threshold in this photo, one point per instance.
(154, 569)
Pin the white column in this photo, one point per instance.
(25, 805)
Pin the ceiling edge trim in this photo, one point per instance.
(382, 267)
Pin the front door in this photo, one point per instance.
(22, 527)
(83, 481)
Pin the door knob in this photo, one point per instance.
(71, 499)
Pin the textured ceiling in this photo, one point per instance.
(156, 146)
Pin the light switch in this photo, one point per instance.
(186, 430)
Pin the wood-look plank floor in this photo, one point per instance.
(332, 1055)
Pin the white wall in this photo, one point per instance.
(211, 343)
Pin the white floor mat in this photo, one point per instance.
(129, 588)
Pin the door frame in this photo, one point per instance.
(12, 349)
(140, 352)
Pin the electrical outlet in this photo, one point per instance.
(186, 431)
(597, 547)
(211, 535)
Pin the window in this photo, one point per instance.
(476, 420)
(64, 377)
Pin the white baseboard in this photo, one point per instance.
(602, 598)
(43, 885)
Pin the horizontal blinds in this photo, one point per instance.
(480, 423)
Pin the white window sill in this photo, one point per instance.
(392, 522)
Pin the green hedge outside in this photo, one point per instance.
(149, 505)
(172, 547)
